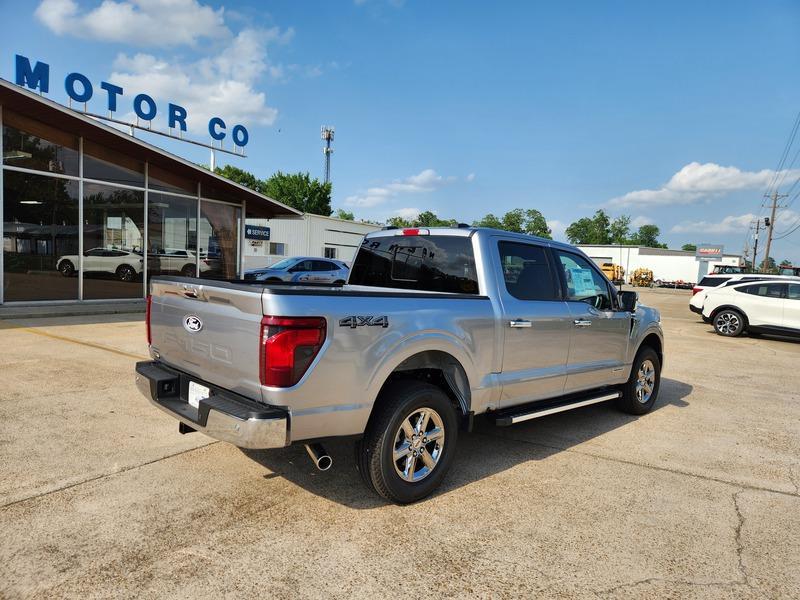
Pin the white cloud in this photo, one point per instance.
(408, 213)
(159, 23)
(557, 229)
(637, 222)
(425, 181)
(730, 224)
(696, 182)
(223, 85)
(470, 177)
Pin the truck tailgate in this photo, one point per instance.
(210, 330)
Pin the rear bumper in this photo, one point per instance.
(695, 309)
(223, 416)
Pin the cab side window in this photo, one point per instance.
(794, 291)
(584, 283)
(526, 271)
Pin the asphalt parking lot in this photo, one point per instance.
(101, 497)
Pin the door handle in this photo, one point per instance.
(582, 323)
(520, 323)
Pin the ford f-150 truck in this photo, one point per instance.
(433, 327)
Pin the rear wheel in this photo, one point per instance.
(189, 271)
(640, 392)
(66, 268)
(410, 442)
(126, 273)
(729, 322)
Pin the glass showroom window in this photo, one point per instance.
(105, 164)
(219, 240)
(40, 237)
(30, 144)
(171, 235)
(113, 241)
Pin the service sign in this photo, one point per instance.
(256, 232)
(709, 252)
(81, 90)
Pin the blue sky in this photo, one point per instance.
(673, 113)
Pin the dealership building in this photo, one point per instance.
(91, 213)
(666, 265)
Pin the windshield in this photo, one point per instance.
(282, 265)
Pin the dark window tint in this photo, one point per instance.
(767, 290)
(526, 271)
(584, 283)
(713, 281)
(324, 265)
(794, 291)
(432, 263)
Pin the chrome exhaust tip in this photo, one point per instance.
(319, 456)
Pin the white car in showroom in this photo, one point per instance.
(771, 307)
(124, 264)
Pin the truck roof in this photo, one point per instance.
(467, 232)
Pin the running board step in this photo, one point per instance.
(519, 414)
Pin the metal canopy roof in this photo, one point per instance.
(43, 109)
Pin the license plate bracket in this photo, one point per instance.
(196, 393)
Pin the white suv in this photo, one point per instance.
(712, 282)
(756, 307)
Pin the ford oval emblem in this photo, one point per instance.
(192, 323)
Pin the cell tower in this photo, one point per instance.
(327, 136)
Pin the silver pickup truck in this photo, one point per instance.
(433, 327)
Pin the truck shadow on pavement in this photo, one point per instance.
(484, 452)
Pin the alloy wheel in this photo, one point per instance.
(418, 444)
(727, 323)
(645, 381)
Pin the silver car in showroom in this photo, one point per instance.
(305, 269)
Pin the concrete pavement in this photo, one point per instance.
(101, 497)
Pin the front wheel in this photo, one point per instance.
(729, 322)
(641, 390)
(410, 442)
(66, 268)
(126, 273)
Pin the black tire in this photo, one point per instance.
(729, 322)
(339, 282)
(189, 271)
(631, 402)
(66, 268)
(126, 273)
(273, 280)
(399, 402)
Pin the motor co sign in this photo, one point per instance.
(81, 90)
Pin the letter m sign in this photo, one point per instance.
(36, 77)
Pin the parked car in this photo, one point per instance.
(125, 264)
(770, 306)
(302, 269)
(434, 327)
(178, 260)
(710, 282)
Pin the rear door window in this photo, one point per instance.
(527, 272)
(431, 263)
(767, 290)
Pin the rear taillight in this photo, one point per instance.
(288, 347)
(416, 231)
(696, 289)
(147, 319)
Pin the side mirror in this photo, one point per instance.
(628, 301)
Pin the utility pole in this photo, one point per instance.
(327, 136)
(771, 224)
(755, 246)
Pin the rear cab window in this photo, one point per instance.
(429, 263)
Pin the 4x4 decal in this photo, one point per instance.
(364, 321)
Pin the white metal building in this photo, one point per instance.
(310, 235)
(667, 265)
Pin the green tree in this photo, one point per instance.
(241, 177)
(768, 265)
(299, 191)
(519, 220)
(689, 248)
(343, 214)
(786, 263)
(620, 229)
(647, 236)
(595, 230)
(430, 219)
(398, 222)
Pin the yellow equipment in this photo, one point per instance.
(614, 272)
(642, 277)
